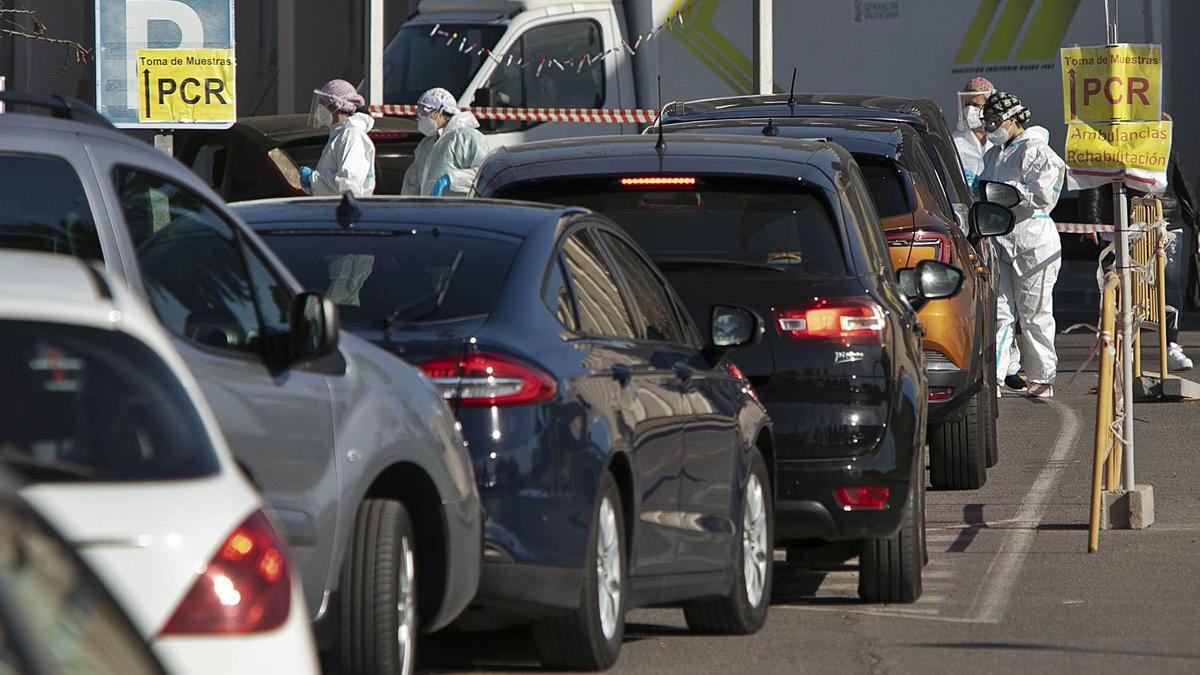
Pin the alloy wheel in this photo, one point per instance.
(608, 569)
(755, 548)
(406, 608)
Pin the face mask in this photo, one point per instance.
(324, 117)
(427, 126)
(998, 136)
(974, 117)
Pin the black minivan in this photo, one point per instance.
(787, 228)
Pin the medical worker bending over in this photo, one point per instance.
(970, 138)
(447, 159)
(347, 163)
(1029, 257)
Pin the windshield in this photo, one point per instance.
(87, 404)
(740, 222)
(396, 275)
(417, 60)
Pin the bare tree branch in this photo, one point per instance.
(10, 27)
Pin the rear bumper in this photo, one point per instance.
(964, 384)
(805, 506)
(288, 649)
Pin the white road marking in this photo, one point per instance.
(1000, 580)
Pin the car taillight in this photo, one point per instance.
(737, 374)
(844, 321)
(245, 588)
(939, 394)
(938, 244)
(489, 379)
(862, 497)
(658, 182)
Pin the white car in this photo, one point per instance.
(119, 451)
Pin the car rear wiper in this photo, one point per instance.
(438, 296)
(34, 470)
(681, 261)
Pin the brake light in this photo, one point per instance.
(938, 244)
(737, 374)
(245, 588)
(489, 379)
(862, 497)
(939, 394)
(658, 182)
(844, 321)
(387, 135)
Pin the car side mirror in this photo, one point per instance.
(314, 329)
(731, 327)
(999, 193)
(991, 220)
(929, 280)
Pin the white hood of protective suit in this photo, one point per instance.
(463, 120)
(348, 162)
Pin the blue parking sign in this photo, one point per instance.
(155, 63)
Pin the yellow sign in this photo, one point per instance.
(1138, 146)
(185, 85)
(1114, 83)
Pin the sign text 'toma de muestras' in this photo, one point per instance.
(166, 64)
(1112, 103)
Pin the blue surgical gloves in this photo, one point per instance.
(306, 177)
(441, 185)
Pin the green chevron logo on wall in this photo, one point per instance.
(700, 37)
(992, 35)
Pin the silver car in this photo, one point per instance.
(355, 451)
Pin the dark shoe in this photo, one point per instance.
(1015, 382)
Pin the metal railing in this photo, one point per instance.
(1147, 262)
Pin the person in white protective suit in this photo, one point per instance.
(347, 163)
(1030, 256)
(970, 138)
(447, 159)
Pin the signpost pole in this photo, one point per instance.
(764, 47)
(1121, 220)
(374, 56)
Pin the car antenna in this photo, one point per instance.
(771, 129)
(348, 211)
(792, 93)
(661, 145)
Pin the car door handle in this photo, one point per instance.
(622, 373)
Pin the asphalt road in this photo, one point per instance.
(1009, 588)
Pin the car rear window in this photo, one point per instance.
(887, 186)
(410, 275)
(87, 404)
(764, 223)
(43, 208)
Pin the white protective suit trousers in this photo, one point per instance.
(1030, 297)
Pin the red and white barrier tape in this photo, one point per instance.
(575, 115)
(1083, 228)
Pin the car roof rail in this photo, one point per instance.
(62, 107)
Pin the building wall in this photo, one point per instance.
(276, 70)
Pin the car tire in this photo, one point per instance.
(990, 431)
(890, 569)
(589, 638)
(377, 594)
(744, 610)
(957, 451)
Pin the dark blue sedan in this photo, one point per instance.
(622, 460)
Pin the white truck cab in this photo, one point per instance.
(533, 60)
